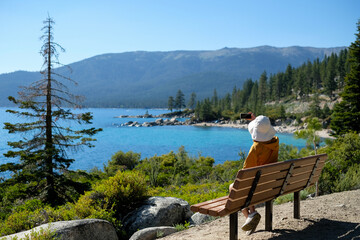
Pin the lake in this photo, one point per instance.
(218, 142)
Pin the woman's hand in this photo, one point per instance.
(252, 116)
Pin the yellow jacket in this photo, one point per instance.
(262, 153)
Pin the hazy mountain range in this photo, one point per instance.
(147, 79)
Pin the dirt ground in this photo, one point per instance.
(334, 216)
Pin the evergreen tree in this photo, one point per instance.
(287, 85)
(263, 88)
(341, 71)
(247, 86)
(42, 158)
(215, 99)
(315, 109)
(192, 101)
(346, 115)
(253, 99)
(330, 82)
(316, 77)
(171, 103)
(179, 100)
(227, 102)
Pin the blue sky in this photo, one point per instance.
(89, 28)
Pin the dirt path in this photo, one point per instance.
(335, 216)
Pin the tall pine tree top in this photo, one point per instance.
(346, 116)
(41, 155)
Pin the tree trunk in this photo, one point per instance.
(49, 149)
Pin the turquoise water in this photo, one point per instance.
(218, 142)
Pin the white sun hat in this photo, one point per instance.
(261, 130)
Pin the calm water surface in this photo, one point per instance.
(218, 142)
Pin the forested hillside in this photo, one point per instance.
(309, 83)
(146, 79)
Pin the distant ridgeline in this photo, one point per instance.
(147, 79)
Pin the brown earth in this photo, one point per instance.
(334, 216)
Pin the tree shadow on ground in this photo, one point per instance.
(323, 229)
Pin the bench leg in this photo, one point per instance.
(297, 205)
(268, 215)
(234, 226)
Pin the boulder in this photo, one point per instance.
(159, 121)
(199, 218)
(173, 120)
(152, 233)
(278, 122)
(85, 229)
(288, 121)
(157, 211)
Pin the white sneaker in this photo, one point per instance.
(251, 222)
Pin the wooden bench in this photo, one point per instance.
(263, 184)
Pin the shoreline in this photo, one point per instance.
(164, 119)
(324, 133)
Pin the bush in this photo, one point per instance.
(120, 194)
(350, 180)
(109, 200)
(122, 161)
(339, 172)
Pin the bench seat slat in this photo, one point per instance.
(238, 183)
(196, 207)
(270, 168)
(304, 175)
(260, 187)
(238, 203)
(206, 208)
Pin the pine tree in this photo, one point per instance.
(171, 103)
(179, 100)
(42, 157)
(253, 99)
(330, 83)
(287, 84)
(346, 115)
(341, 71)
(215, 99)
(263, 88)
(192, 101)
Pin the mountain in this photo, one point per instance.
(147, 79)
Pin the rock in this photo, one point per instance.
(288, 121)
(173, 120)
(85, 229)
(294, 123)
(146, 124)
(159, 121)
(152, 233)
(157, 211)
(199, 218)
(278, 122)
(128, 123)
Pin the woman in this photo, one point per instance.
(264, 150)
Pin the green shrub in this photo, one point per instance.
(120, 194)
(181, 227)
(343, 156)
(122, 161)
(350, 180)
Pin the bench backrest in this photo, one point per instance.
(264, 183)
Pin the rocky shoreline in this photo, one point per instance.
(289, 126)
